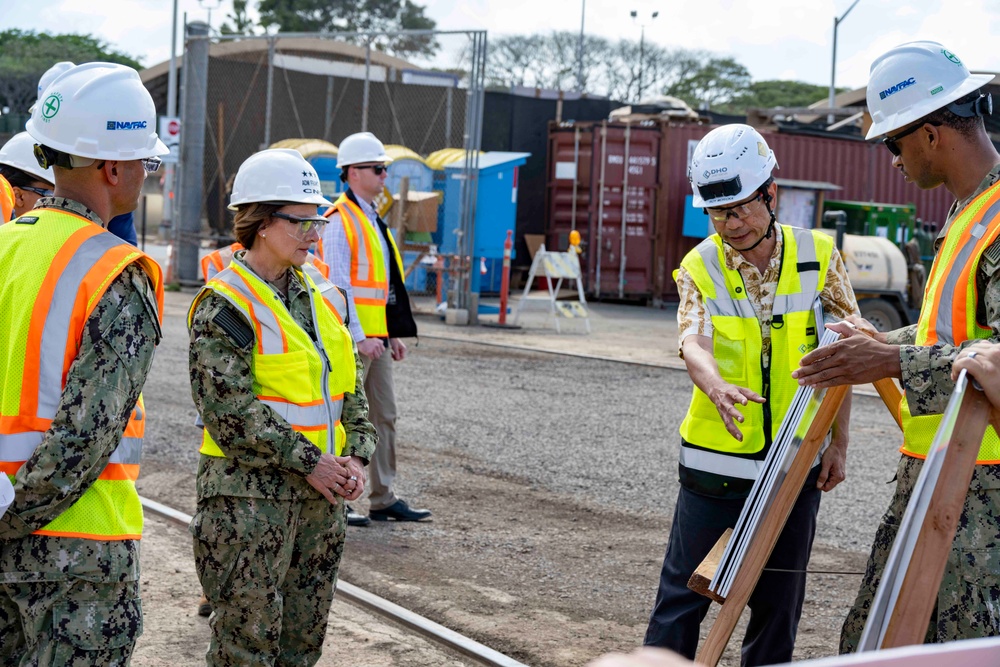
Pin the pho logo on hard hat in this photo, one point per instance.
(126, 125)
(892, 90)
(50, 107)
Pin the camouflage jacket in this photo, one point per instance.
(265, 458)
(101, 390)
(926, 370)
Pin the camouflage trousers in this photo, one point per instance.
(70, 622)
(269, 568)
(968, 602)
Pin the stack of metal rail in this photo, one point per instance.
(805, 404)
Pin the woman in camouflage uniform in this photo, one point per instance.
(277, 381)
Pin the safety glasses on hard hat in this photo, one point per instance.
(305, 225)
(739, 211)
(720, 189)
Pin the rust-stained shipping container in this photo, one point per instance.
(603, 182)
(862, 170)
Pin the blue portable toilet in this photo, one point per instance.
(407, 163)
(496, 210)
(437, 161)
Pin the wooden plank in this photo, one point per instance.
(770, 528)
(919, 591)
(702, 577)
(891, 396)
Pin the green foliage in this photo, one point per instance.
(711, 83)
(25, 55)
(385, 16)
(777, 93)
(242, 24)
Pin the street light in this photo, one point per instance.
(642, 41)
(833, 65)
(210, 5)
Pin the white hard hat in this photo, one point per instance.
(277, 175)
(99, 111)
(729, 164)
(51, 74)
(913, 80)
(19, 153)
(359, 148)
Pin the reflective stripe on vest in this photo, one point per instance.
(214, 262)
(62, 265)
(289, 367)
(949, 313)
(737, 345)
(369, 282)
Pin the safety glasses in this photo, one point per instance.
(890, 142)
(151, 164)
(379, 169)
(740, 211)
(37, 191)
(305, 225)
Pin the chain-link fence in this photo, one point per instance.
(241, 94)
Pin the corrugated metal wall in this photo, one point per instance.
(863, 170)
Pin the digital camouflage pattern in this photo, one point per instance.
(269, 568)
(267, 545)
(37, 571)
(265, 457)
(968, 602)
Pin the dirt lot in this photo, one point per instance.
(552, 483)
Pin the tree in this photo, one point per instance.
(384, 16)
(778, 93)
(718, 81)
(242, 23)
(25, 55)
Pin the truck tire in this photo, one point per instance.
(882, 314)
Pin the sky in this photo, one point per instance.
(774, 39)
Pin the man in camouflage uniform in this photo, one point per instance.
(267, 545)
(67, 599)
(932, 123)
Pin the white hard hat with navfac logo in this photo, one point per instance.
(914, 80)
(99, 111)
(728, 165)
(277, 175)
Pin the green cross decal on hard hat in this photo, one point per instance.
(51, 106)
(951, 56)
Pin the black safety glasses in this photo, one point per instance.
(890, 142)
(379, 169)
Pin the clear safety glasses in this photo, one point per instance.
(304, 226)
(740, 211)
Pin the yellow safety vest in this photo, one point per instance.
(949, 312)
(302, 380)
(57, 265)
(369, 282)
(737, 344)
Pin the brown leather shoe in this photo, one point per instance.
(204, 607)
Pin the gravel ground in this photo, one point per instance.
(552, 480)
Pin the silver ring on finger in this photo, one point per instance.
(972, 355)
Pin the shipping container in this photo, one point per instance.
(603, 182)
(662, 150)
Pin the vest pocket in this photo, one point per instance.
(285, 375)
(730, 349)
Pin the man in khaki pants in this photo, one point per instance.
(365, 261)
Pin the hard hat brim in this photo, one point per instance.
(973, 83)
(318, 200)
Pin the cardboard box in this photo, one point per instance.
(420, 213)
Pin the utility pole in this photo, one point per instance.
(642, 50)
(168, 179)
(579, 52)
(833, 65)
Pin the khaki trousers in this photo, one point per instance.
(381, 393)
